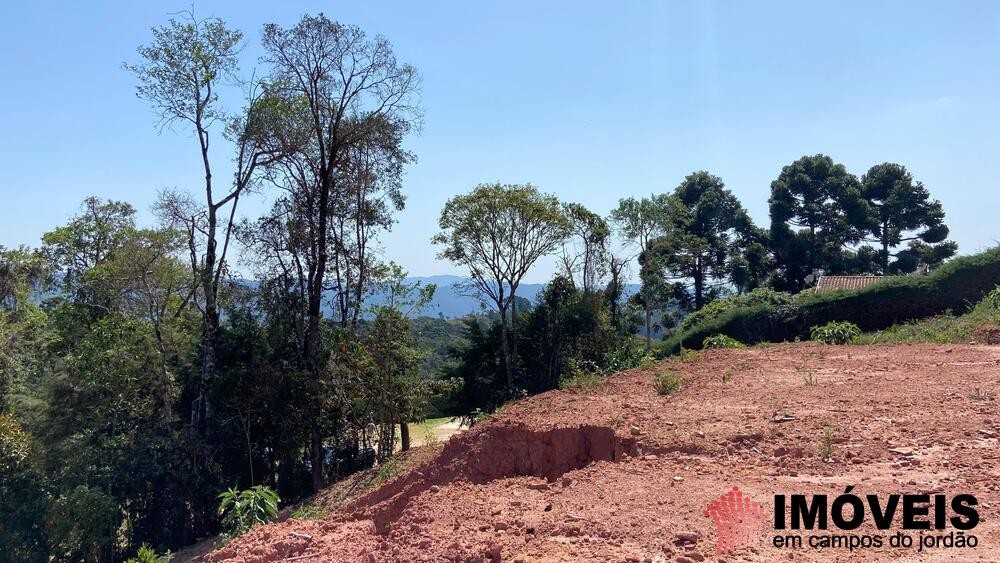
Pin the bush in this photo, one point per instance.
(956, 285)
(147, 554)
(835, 332)
(668, 382)
(945, 328)
(242, 510)
(721, 341)
(721, 307)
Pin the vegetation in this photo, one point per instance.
(242, 510)
(954, 286)
(140, 375)
(721, 341)
(668, 382)
(835, 332)
(944, 328)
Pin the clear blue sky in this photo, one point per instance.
(591, 101)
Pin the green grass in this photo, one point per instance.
(941, 329)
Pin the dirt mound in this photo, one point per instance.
(623, 474)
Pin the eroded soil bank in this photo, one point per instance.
(623, 474)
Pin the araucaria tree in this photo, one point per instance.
(355, 104)
(707, 235)
(498, 232)
(816, 207)
(900, 211)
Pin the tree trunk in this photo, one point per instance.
(316, 455)
(649, 325)
(513, 331)
(505, 348)
(404, 435)
(699, 285)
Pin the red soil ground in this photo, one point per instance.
(621, 473)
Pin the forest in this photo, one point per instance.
(145, 369)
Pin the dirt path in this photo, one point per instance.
(623, 474)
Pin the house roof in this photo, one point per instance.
(833, 283)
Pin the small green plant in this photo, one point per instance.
(147, 554)
(430, 437)
(836, 332)
(668, 382)
(825, 449)
(586, 377)
(727, 376)
(308, 512)
(242, 510)
(689, 355)
(387, 470)
(808, 377)
(721, 341)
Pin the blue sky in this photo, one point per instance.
(590, 101)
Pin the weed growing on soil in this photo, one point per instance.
(387, 470)
(308, 512)
(242, 510)
(615, 421)
(727, 377)
(836, 332)
(689, 355)
(147, 554)
(808, 377)
(584, 380)
(430, 437)
(667, 382)
(980, 395)
(825, 449)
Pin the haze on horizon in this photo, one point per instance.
(589, 104)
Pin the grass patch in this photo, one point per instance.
(308, 512)
(946, 328)
(668, 382)
(387, 470)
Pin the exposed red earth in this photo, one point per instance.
(621, 473)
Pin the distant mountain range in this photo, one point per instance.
(450, 302)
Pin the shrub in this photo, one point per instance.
(242, 510)
(721, 341)
(387, 470)
(835, 332)
(147, 554)
(719, 308)
(668, 382)
(956, 285)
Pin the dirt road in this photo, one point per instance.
(624, 474)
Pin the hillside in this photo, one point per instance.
(621, 473)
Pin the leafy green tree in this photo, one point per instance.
(816, 207)
(498, 232)
(640, 221)
(901, 211)
(23, 495)
(708, 232)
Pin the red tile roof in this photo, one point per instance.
(833, 283)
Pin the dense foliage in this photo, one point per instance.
(955, 286)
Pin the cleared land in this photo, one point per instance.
(620, 473)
